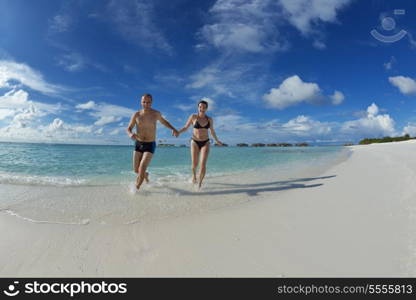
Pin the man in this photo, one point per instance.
(145, 120)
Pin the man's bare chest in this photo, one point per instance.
(146, 119)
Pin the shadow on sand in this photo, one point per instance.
(254, 189)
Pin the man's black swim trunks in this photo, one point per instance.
(145, 146)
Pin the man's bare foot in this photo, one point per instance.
(146, 177)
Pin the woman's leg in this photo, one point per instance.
(203, 163)
(194, 156)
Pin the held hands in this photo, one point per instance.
(133, 136)
(219, 143)
(175, 133)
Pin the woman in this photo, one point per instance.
(200, 139)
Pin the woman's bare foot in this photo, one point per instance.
(194, 180)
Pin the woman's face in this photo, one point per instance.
(202, 108)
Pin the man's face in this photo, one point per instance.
(146, 102)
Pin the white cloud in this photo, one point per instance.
(389, 65)
(60, 23)
(292, 91)
(32, 131)
(105, 113)
(406, 85)
(299, 127)
(184, 107)
(82, 128)
(72, 62)
(16, 104)
(170, 78)
(229, 122)
(372, 110)
(226, 78)
(99, 131)
(238, 27)
(25, 116)
(5, 113)
(373, 125)
(105, 110)
(24, 74)
(16, 133)
(107, 120)
(88, 105)
(25, 120)
(115, 131)
(56, 124)
(410, 129)
(60, 130)
(135, 22)
(305, 126)
(208, 76)
(304, 14)
(14, 99)
(243, 25)
(412, 41)
(319, 44)
(255, 25)
(236, 36)
(337, 98)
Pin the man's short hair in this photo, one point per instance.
(147, 95)
(203, 102)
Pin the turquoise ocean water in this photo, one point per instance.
(83, 165)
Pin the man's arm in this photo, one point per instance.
(129, 129)
(166, 123)
(211, 127)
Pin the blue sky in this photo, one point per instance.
(272, 70)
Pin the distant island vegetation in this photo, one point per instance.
(385, 139)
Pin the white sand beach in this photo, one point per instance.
(356, 218)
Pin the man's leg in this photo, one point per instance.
(137, 157)
(194, 156)
(203, 164)
(146, 158)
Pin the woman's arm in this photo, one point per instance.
(188, 123)
(211, 127)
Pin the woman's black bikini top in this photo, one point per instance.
(198, 126)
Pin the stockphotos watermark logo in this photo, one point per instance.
(70, 289)
(11, 289)
(389, 31)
